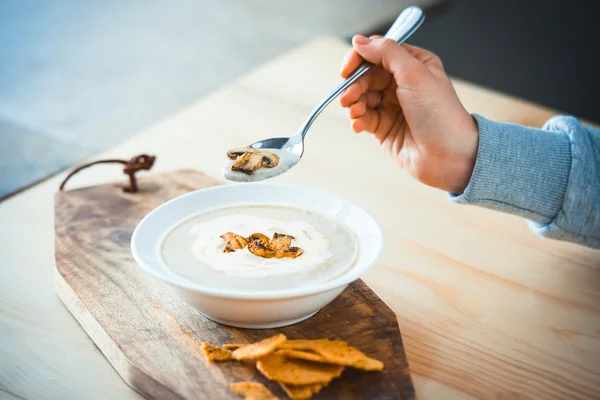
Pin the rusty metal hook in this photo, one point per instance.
(135, 164)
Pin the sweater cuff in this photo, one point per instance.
(519, 170)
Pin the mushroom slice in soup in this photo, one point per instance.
(281, 242)
(234, 242)
(260, 248)
(292, 252)
(260, 245)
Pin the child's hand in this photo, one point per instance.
(410, 106)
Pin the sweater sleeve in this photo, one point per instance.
(550, 176)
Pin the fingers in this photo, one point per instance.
(373, 99)
(351, 62)
(385, 52)
(369, 121)
(427, 58)
(367, 100)
(424, 56)
(377, 79)
(358, 125)
(380, 122)
(351, 95)
(358, 109)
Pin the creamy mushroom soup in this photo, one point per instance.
(195, 250)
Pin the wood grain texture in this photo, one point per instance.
(487, 310)
(153, 339)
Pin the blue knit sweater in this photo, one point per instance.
(550, 176)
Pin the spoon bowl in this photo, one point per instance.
(290, 149)
(282, 143)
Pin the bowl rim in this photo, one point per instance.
(182, 283)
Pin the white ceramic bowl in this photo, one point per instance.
(255, 309)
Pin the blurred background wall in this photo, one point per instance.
(546, 51)
(77, 77)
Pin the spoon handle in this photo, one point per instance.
(405, 25)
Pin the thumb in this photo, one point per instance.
(385, 52)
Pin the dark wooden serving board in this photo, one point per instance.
(153, 339)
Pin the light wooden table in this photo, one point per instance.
(486, 309)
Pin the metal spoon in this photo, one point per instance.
(290, 149)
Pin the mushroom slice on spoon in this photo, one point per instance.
(248, 160)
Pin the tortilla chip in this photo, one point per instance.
(253, 391)
(302, 355)
(301, 344)
(301, 367)
(259, 349)
(334, 351)
(297, 372)
(368, 364)
(233, 346)
(301, 392)
(214, 353)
